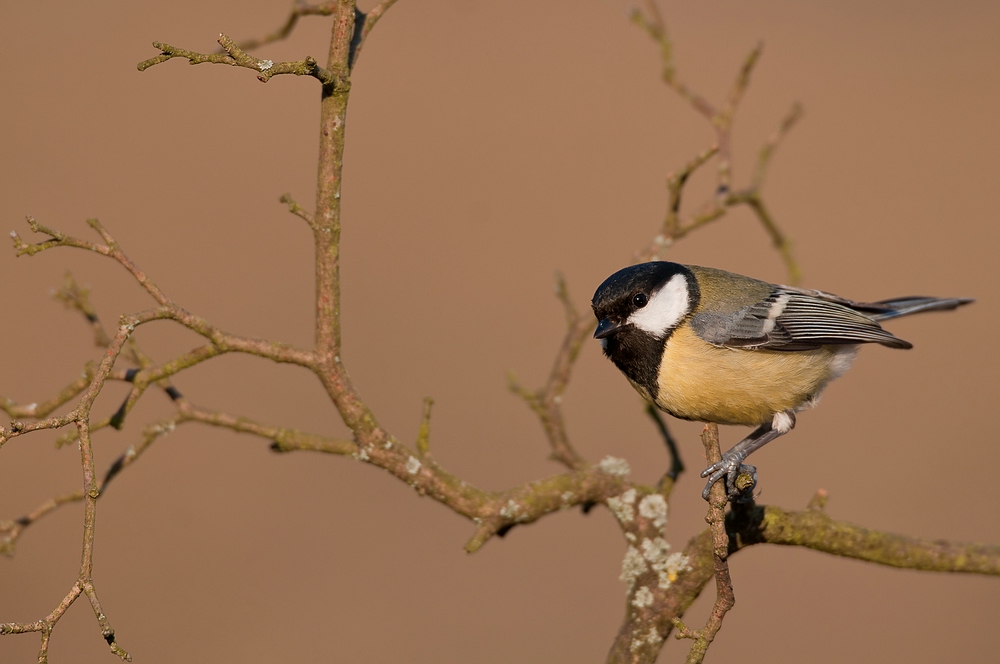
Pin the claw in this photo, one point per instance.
(715, 477)
(714, 468)
(740, 478)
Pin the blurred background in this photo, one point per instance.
(489, 145)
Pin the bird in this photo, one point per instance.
(708, 345)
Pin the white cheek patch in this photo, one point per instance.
(665, 309)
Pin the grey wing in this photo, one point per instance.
(791, 319)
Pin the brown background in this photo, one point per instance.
(491, 143)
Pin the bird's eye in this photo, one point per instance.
(640, 300)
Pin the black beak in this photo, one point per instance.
(606, 328)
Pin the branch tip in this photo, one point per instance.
(299, 9)
(483, 533)
(683, 631)
(424, 433)
(818, 502)
(364, 24)
(767, 150)
(562, 293)
(297, 209)
(118, 419)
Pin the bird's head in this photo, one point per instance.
(648, 299)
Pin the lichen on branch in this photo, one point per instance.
(661, 583)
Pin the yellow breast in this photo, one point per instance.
(698, 381)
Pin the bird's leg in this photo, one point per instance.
(732, 461)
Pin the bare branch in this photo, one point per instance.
(106, 631)
(299, 9)
(562, 293)
(749, 524)
(778, 239)
(168, 52)
(10, 531)
(298, 210)
(169, 310)
(742, 81)
(547, 402)
(111, 250)
(771, 145)
(525, 504)
(267, 68)
(90, 495)
(656, 28)
(364, 24)
(236, 57)
(45, 625)
(283, 440)
(818, 502)
(75, 297)
(723, 121)
(661, 585)
(814, 529)
(39, 410)
(78, 298)
(143, 378)
(674, 228)
(19, 428)
(493, 513)
(81, 414)
(716, 519)
(676, 465)
(424, 434)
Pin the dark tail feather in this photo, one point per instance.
(904, 306)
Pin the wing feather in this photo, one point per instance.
(795, 319)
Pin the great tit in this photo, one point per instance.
(707, 345)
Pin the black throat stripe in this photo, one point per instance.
(637, 354)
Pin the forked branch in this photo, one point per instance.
(661, 583)
(675, 226)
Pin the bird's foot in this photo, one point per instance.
(741, 478)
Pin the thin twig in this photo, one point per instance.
(675, 185)
(299, 9)
(168, 310)
(676, 464)
(234, 56)
(10, 531)
(424, 434)
(778, 239)
(674, 227)
(367, 24)
(547, 402)
(298, 210)
(818, 502)
(40, 410)
(282, 439)
(771, 145)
